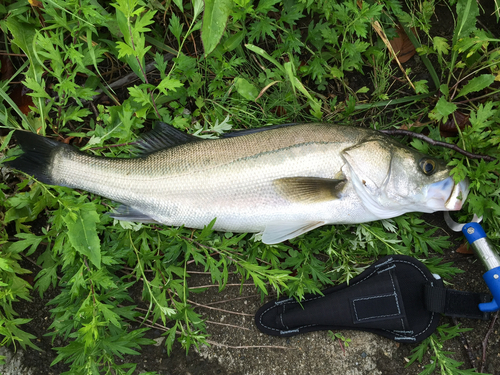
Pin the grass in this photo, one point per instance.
(222, 65)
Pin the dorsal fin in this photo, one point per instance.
(161, 137)
(239, 133)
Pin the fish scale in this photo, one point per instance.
(282, 181)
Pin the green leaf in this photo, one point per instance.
(467, 11)
(481, 118)
(214, 23)
(107, 311)
(82, 232)
(363, 90)
(263, 53)
(442, 110)
(444, 89)
(245, 88)
(28, 239)
(441, 45)
(234, 40)
(266, 6)
(142, 22)
(262, 29)
(169, 84)
(13, 105)
(23, 34)
(179, 4)
(421, 87)
(477, 84)
(124, 50)
(4, 265)
(197, 7)
(175, 28)
(140, 95)
(13, 333)
(44, 278)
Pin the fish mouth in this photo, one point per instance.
(446, 195)
(458, 196)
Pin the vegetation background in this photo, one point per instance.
(98, 74)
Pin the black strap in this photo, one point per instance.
(396, 297)
(455, 303)
(386, 299)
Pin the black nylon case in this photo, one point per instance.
(388, 299)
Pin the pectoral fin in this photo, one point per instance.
(310, 189)
(127, 213)
(279, 231)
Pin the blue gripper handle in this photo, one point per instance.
(486, 252)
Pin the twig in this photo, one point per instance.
(217, 286)
(378, 28)
(485, 342)
(466, 345)
(31, 260)
(231, 299)
(341, 346)
(227, 325)
(436, 143)
(130, 77)
(35, 263)
(233, 251)
(12, 54)
(248, 346)
(214, 308)
(209, 248)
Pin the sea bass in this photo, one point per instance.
(281, 181)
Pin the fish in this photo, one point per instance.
(279, 181)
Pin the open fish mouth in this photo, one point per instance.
(458, 196)
(446, 195)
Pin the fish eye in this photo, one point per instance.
(428, 166)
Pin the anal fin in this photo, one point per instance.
(279, 231)
(127, 213)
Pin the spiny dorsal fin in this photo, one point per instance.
(309, 189)
(161, 137)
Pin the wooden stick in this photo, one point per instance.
(436, 143)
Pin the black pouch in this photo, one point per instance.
(396, 297)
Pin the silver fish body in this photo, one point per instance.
(282, 181)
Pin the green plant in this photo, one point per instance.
(339, 336)
(439, 357)
(265, 62)
(12, 288)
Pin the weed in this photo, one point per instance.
(208, 67)
(440, 359)
(344, 341)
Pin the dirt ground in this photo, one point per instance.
(237, 347)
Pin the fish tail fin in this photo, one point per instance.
(38, 154)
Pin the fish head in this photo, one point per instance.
(392, 179)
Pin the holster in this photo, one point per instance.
(396, 297)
